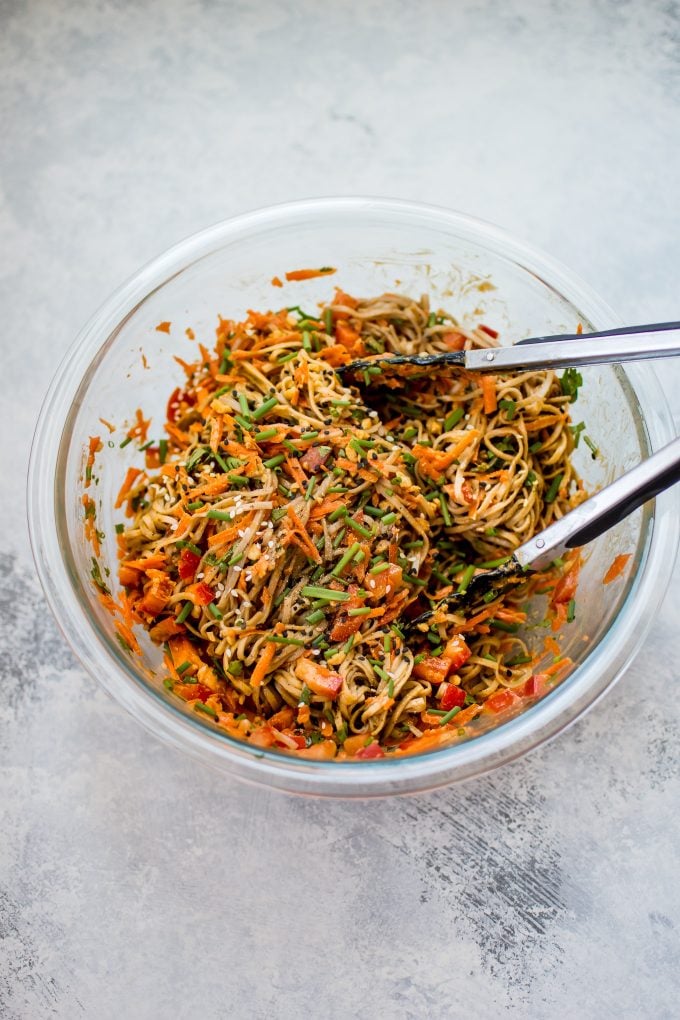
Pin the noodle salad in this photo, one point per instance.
(282, 535)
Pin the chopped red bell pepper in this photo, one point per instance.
(501, 701)
(203, 595)
(373, 750)
(452, 696)
(188, 564)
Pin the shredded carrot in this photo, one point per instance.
(156, 562)
(190, 333)
(163, 327)
(110, 427)
(309, 274)
(275, 282)
(263, 665)
(617, 567)
(488, 383)
(94, 447)
(130, 478)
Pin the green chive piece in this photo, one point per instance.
(212, 608)
(307, 437)
(196, 505)
(162, 450)
(236, 558)
(279, 512)
(126, 442)
(346, 558)
(379, 567)
(318, 616)
(222, 390)
(338, 488)
(306, 340)
(360, 556)
(200, 707)
(453, 418)
(359, 528)
(261, 437)
(274, 461)
(186, 609)
(220, 515)
(465, 581)
(445, 510)
(490, 564)
(519, 660)
(381, 672)
(364, 611)
(591, 446)
(243, 422)
(310, 487)
(328, 320)
(509, 628)
(554, 489)
(310, 591)
(286, 640)
(120, 528)
(245, 409)
(449, 716)
(235, 668)
(183, 668)
(168, 684)
(387, 643)
(264, 408)
(374, 511)
(535, 447)
(337, 541)
(389, 518)
(286, 357)
(571, 610)
(337, 514)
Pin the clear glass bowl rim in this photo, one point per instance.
(371, 778)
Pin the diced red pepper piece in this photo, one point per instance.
(501, 701)
(456, 653)
(373, 750)
(188, 564)
(319, 679)
(203, 594)
(433, 669)
(452, 697)
(534, 687)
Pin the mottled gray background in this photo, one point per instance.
(135, 883)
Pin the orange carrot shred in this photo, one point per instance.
(163, 327)
(617, 567)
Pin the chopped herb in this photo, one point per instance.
(346, 558)
(273, 462)
(286, 640)
(235, 668)
(468, 574)
(554, 489)
(530, 479)
(220, 515)
(510, 408)
(318, 616)
(449, 716)
(200, 707)
(591, 446)
(312, 592)
(264, 435)
(570, 382)
(363, 611)
(196, 505)
(359, 528)
(535, 447)
(126, 442)
(453, 418)
(186, 609)
(490, 564)
(120, 528)
(509, 628)
(212, 608)
(337, 514)
(264, 408)
(576, 431)
(571, 610)
(310, 487)
(519, 660)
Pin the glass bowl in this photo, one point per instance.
(376, 245)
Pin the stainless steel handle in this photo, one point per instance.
(605, 509)
(591, 349)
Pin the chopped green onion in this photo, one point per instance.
(279, 512)
(576, 431)
(243, 422)
(519, 660)
(328, 320)
(359, 528)
(570, 382)
(337, 514)
(307, 437)
(219, 393)
(306, 340)
(387, 643)
(554, 489)
(346, 558)
(490, 531)
(490, 564)
(236, 558)
(261, 437)
(120, 528)
(347, 647)
(535, 447)
(337, 541)
(374, 511)
(220, 515)
(530, 479)
(389, 518)
(445, 510)
(465, 581)
(341, 735)
(363, 611)
(235, 668)
(509, 628)
(410, 433)
(273, 462)
(168, 684)
(453, 418)
(188, 606)
(571, 610)
(286, 357)
(212, 608)
(510, 408)
(591, 446)
(379, 567)
(245, 408)
(200, 707)
(316, 617)
(338, 488)
(286, 640)
(264, 408)
(184, 667)
(449, 716)
(310, 487)
(312, 592)
(126, 442)
(196, 505)
(412, 579)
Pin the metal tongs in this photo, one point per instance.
(632, 343)
(585, 523)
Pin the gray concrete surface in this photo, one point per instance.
(133, 882)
